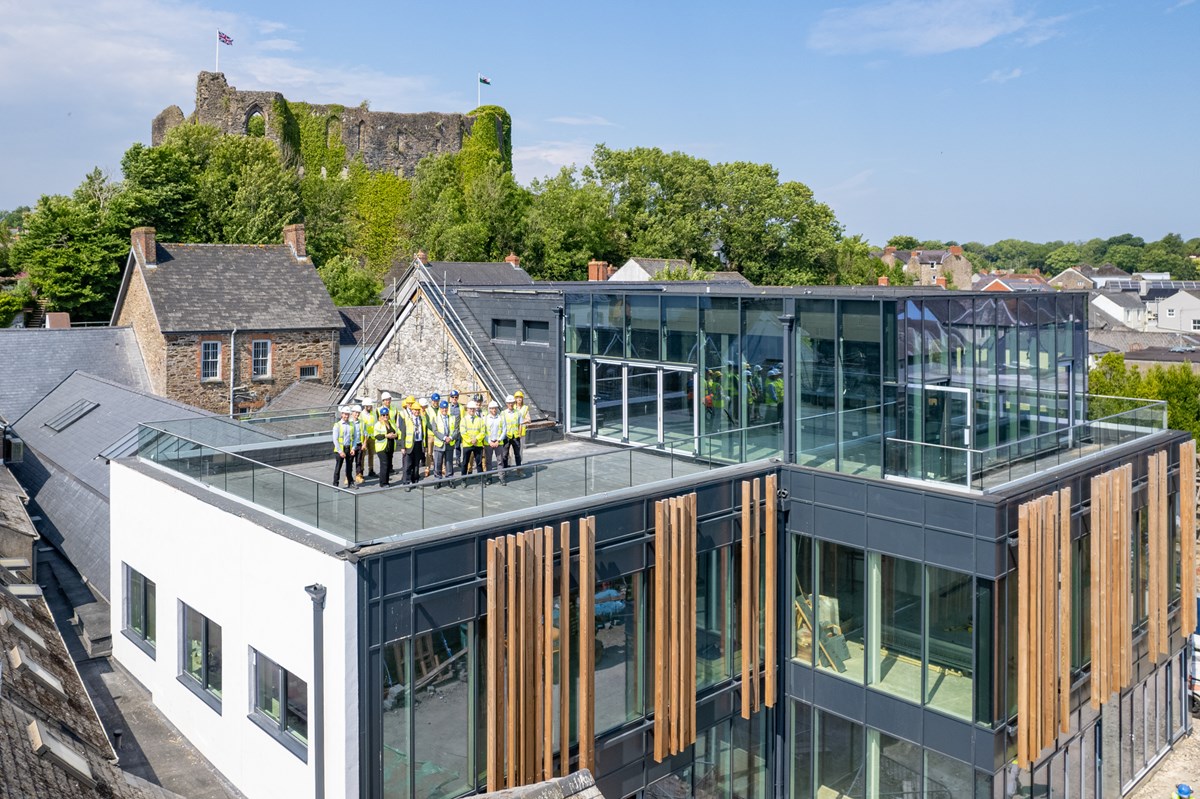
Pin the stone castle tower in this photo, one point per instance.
(386, 141)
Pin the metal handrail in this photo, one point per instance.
(378, 321)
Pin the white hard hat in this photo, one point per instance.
(424, 402)
(368, 401)
(471, 405)
(356, 409)
(343, 409)
(509, 398)
(385, 396)
(493, 404)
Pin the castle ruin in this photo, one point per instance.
(385, 141)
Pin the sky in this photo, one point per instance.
(966, 120)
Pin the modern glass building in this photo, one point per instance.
(977, 581)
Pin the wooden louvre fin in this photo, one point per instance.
(564, 652)
(1044, 622)
(771, 582)
(1156, 554)
(674, 625)
(758, 623)
(1189, 496)
(745, 601)
(519, 647)
(587, 642)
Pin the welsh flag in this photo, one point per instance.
(485, 81)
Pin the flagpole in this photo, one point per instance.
(218, 66)
(478, 82)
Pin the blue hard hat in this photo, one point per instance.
(443, 404)
(454, 392)
(383, 411)
(1183, 790)
(435, 396)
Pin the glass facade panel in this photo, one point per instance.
(1141, 567)
(751, 756)
(681, 330)
(898, 769)
(579, 394)
(801, 740)
(296, 723)
(642, 404)
(619, 651)
(1174, 525)
(609, 399)
(266, 685)
(713, 597)
(441, 713)
(816, 384)
(947, 778)
(986, 651)
(1081, 601)
(762, 353)
(802, 602)
(395, 737)
(608, 325)
(721, 359)
(644, 331)
(840, 757)
(202, 651)
(678, 405)
(840, 603)
(860, 425)
(578, 324)
(141, 607)
(712, 772)
(950, 617)
(895, 662)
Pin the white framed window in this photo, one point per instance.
(310, 372)
(1196, 324)
(260, 358)
(200, 655)
(210, 360)
(279, 703)
(1170, 313)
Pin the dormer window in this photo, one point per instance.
(47, 745)
(10, 622)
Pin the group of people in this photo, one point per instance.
(434, 437)
(722, 396)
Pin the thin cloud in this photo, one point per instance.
(280, 45)
(855, 186)
(912, 27)
(544, 158)
(1003, 75)
(583, 121)
(1179, 5)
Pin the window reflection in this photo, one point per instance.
(950, 666)
(619, 645)
(839, 605)
(896, 616)
(441, 713)
(713, 590)
(395, 720)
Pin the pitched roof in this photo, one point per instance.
(1123, 299)
(70, 717)
(219, 287)
(35, 360)
(363, 324)
(65, 470)
(653, 266)
(461, 273)
(302, 395)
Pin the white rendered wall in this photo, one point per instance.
(250, 581)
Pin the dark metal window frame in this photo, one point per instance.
(202, 687)
(276, 729)
(542, 335)
(501, 327)
(139, 637)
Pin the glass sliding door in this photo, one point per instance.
(608, 400)
(941, 421)
(678, 411)
(643, 405)
(579, 395)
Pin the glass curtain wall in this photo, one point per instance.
(762, 362)
(896, 626)
(840, 620)
(817, 388)
(721, 356)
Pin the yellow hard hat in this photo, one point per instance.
(518, 393)
(410, 399)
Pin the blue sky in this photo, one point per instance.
(949, 119)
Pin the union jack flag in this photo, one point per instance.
(224, 39)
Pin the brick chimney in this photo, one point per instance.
(888, 250)
(512, 258)
(423, 257)
(956, 250)
(883, 280)
(940, 280)
(144, 243)
(293, 236)
(598, 270)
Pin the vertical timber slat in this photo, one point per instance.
(512, 699)
(564, 653)
(772, 489)
(660, 630)
(587, 641)
(1024, 716)
(548, 653)
(1187, 535)
(1064, 604)
(746, 633)
(493, 663)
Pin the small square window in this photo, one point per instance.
(201, 656)
(1171, 313)
(260, 358)
(1196, 324)
(504, 329)
(536, 332)
(312, 372)
(140, 610)
(280, 703)
(210, 360)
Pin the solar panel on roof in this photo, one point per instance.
(71, 414)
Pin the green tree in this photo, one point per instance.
(902, 242)
(1062, 258)
(162, 191)
(248, 194)
(1177, 384)
(380, 227)
(1159, 257)
(349, 282)
(326, 210)
(567, 224)
(1124, 256)
(855, 266)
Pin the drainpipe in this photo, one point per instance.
(560, 387)
(790, 433)
(316, 593)
(232, 367)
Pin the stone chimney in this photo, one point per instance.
(423, 257)
(144, 243)
(512, 258)
(956, 250)
(940, 280)
(598, 270)
(293, 236)
(888, 250)
(883, 280)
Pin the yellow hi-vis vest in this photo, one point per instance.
(523, 413)
(444, 431)
(474, 430)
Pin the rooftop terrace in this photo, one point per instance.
(282, 464)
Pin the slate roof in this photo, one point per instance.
(652, 266)
(66, 476)
(1166, 355)
(14, 519)
(461, 273)
(23, 774)
(219, 287)
(35, 360)
(302, 395)
(364, 324)
(1124, 299)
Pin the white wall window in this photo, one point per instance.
(210, 360)
(201, 655)
(260, 358)
(1196, 324)
(140, 610)
(279, 703)
(1170, 313)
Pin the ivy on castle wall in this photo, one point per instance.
(483, 142)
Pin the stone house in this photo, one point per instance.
(224, 327)
(640, 270)
(926, 266)
(1085, 277)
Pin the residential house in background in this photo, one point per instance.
(1085, 277)
(1180, 312)
(224, 327)
(926, 266)
(1125, 307)
(637, 270)
(1010, 281)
